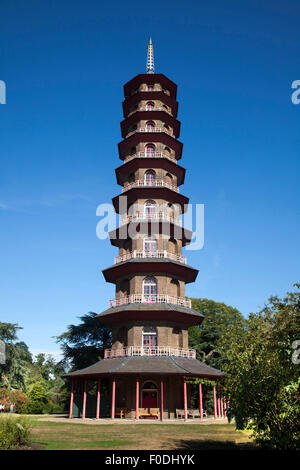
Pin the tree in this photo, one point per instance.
(262, 382)
(13, 397)
(205, 338)
(20, 371)
(84, 344)
(12, 373)
(38, 392)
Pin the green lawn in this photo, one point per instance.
(58, 436)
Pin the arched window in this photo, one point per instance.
(150, 106)
(169, 178)
(150, 209)
(150, 126)
(150, 290)
(149, 340)
(149, 386)
(150, 245)
(150, 150)
(149, 178)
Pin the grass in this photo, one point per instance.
(73, 436)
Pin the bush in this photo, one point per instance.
(39, 402)
(47, 408)
(13, 397)
(38, 392)
(14, 432)
(32, 408)
(57, 409)
(35, 407)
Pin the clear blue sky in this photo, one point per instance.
(64, 64)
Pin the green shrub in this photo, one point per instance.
(47, 408)
(14, 432)
(38, 391)
(32, 408)
(58, 409)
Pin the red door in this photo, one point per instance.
(149, 399)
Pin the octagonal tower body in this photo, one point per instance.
(150, 272)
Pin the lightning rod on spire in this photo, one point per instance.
(150, 58)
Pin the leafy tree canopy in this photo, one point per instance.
(262, 382)
(205, 338)
(12, 373)
(84, 344)
(31, 375)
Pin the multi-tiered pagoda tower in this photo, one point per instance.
(149, 362)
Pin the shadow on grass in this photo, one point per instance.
(85, 445)
(209, 444)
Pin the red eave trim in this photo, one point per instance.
(149, 95)
(124, 170)
(150, 227)
(165, 266)
(150, 115)
(152, 193)
(161, 137)
(163, 315)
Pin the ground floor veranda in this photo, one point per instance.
(141, 397)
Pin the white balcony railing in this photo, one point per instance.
(150, 299)
(162, 351)
(133, 92)
(158, 216)
(153, 184)
(151, 129)
(150, 155)
(143, 108)
(150, 254)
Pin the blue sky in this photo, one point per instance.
(64, 64)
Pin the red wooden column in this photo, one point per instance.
(98, 398)
(215, 403)
(219, 409)
(137, 392)
(84, 398)
(200, 401)
(71, 400)
(161, 400)
(113, 399)
(185, 400)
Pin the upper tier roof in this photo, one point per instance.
(150, 79)
(154, 312)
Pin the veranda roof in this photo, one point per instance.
(148, 365)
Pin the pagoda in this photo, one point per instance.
(147, 371)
